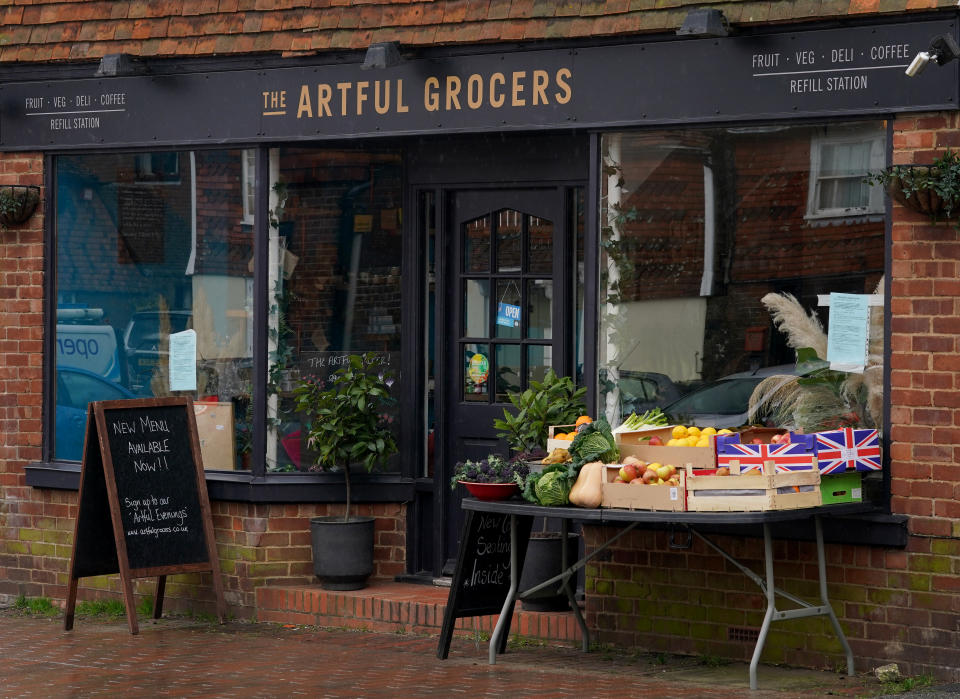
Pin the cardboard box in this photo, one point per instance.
(634, 445)
(844, 487)
(642, 497)
(737, 450)
(558, 429)
(767, 490)
(215, 432)
(846, 449)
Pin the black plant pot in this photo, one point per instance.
(342, 551)
(17, 203)
(542, 562)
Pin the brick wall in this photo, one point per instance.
(894, 605)
(256, 545)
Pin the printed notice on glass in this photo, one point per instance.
(847, 339)
(183, 361)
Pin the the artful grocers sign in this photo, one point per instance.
(143, 507)
(814, 72)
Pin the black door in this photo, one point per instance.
(508, 300)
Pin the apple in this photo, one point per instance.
(650, 476)
(756, 440)
(663, 473)
(637, 481)
(723, 471)
(628, 472)
(655, 441)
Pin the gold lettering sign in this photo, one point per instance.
(518, 89)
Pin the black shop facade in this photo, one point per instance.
(474, 217)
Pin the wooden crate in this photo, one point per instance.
(557, 429)
(788, 490)
(671, 498)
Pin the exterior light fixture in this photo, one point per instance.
(382, 55)
(943, 49)
(703, 23)
(117, 64)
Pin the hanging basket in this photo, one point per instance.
(906, 185)
(17, 203)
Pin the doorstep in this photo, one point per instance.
(397, 607)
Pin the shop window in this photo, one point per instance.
(840, 160)
(697, 228)
(334, 280)
(153, 268)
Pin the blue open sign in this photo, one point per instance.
(508, 315)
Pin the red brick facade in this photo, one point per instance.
(895, 605)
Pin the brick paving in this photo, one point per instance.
(178, 657)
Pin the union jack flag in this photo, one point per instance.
(795, 456)
(846, 449)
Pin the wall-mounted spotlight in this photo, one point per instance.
(943, 49)
(704, 23)
(117, 64)
(382, 55)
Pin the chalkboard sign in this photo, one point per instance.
(143, 507)
(481, 580)
(140, 226)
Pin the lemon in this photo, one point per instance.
(703, 442)
(693, 431)
(692, 441)
(679, 432)
(673, 442)
(725, 431)
(709, 431)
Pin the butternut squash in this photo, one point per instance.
(588, 490)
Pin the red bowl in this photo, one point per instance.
(491, 491)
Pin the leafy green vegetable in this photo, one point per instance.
(594, 442)
(553, 489)
(554, 401)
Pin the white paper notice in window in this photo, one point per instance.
(183, 361)
(847, 339)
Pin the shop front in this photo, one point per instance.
(621, 212)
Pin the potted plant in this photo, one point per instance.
(928, 189)
(346, 425)
(493, 478)
(554, 401)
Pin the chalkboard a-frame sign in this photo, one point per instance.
(143, 505)
(481, 580)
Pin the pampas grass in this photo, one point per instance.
(802, 330)
(827, 405)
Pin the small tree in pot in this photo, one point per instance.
(346, 425)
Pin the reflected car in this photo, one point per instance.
(641, 391)
(75, 389)
(142, 340)
(724, 402)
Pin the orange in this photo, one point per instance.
(583, 420)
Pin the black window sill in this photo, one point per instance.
(241, 486)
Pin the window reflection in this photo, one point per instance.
(697, 227)
(150, 245)
(334, 278)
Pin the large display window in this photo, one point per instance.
(707, 237)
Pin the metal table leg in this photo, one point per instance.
(822, 568)
(508, 603)
(771, 605)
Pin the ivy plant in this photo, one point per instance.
(931, 189)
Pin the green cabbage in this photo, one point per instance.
(595, 442)
(553, 489)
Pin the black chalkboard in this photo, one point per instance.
(143, 507)
(481, 580)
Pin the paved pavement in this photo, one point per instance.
(177, 657)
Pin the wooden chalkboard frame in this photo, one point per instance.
(99, 516)
(459, 602)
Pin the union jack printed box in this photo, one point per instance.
(798, 455)
(848, 449)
